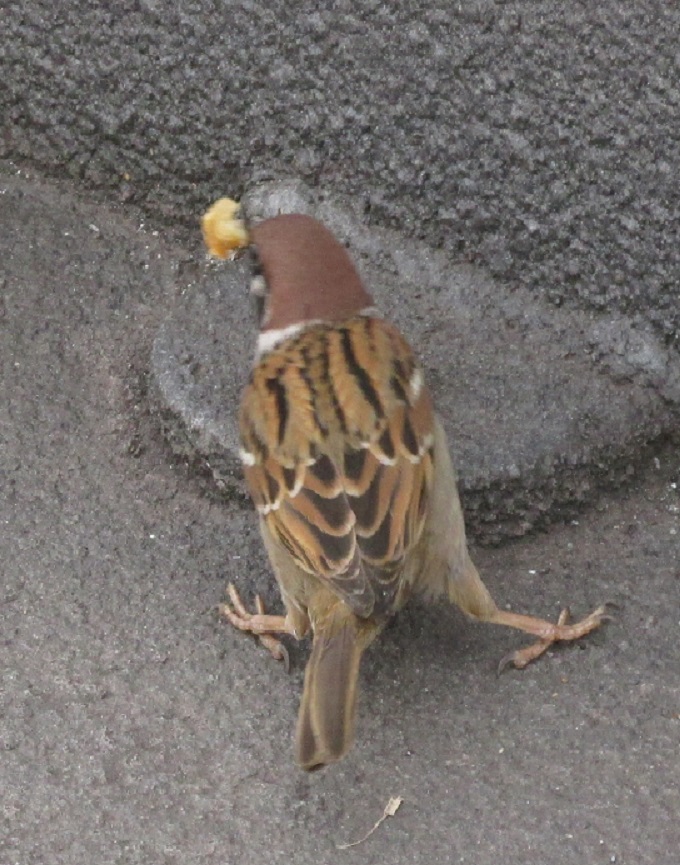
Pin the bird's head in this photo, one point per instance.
(301, 273)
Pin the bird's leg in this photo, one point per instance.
(521, 657)
(262, 625)
(471, 595)
(547, 632)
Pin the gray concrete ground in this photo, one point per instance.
(536, 136)
(533, 137)
(136, 728)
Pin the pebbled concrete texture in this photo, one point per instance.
(535, 141)
(136, 729)
(536, 137)
(543, 408)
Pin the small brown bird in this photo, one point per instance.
(349, 470)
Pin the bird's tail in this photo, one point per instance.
(325, 729)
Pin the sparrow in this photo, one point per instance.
(349, 470)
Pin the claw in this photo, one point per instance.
(506, 661)
(520, 658)
(260, 624)
(612, 605)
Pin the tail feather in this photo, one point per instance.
(325, 730)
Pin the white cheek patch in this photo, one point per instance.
(258, 286)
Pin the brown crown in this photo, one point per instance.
(309, 274)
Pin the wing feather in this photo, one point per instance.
(341, 473)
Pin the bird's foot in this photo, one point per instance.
(547, 633)
(262, 625)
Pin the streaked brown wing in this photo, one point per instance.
(349, 518)
(316, 526)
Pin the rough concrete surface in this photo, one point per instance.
(136, 728)
(536, 136)
(543, 407)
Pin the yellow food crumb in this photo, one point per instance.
(223, 232)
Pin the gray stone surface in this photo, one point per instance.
(136, 730)
(543, 407)
(537, 137)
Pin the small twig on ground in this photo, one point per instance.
(390, 810)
